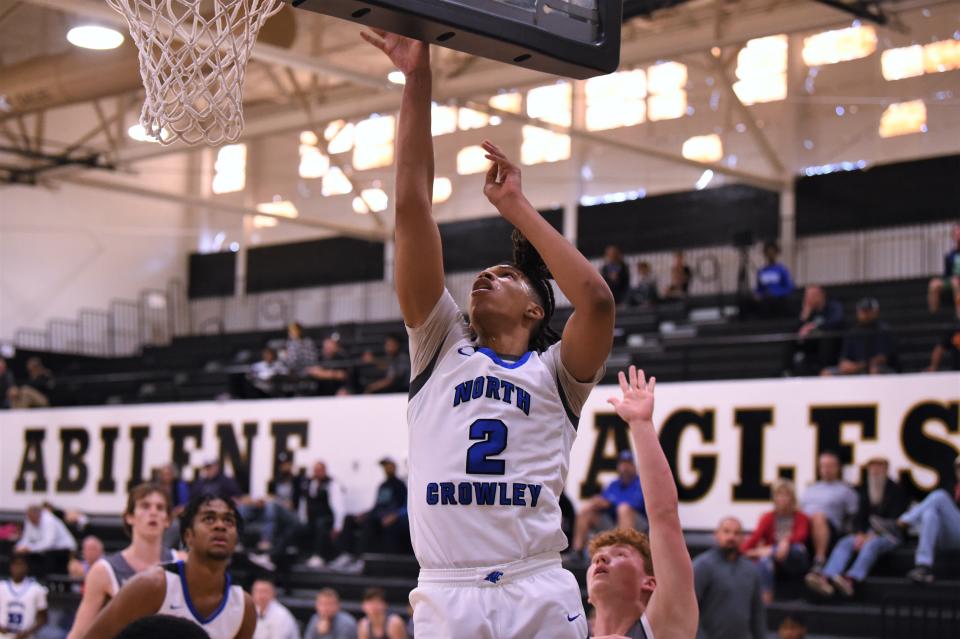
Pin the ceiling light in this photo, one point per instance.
(703, 148)
(94, 37)
(442, 190)
(397, 77)
(375, 199)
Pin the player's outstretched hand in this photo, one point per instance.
(407, 54)
(636, 405)
(503, 177)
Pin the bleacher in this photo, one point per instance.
(887, 606)
(698, 339)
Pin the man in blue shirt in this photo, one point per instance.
(951, 277)
(771, 298)
(620, 505)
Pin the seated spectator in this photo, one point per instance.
(950, 281)
(793, 626)
(46, 541)
(389, 375)
(868, 349)
(212, 481)
(620, 505)
(91, 549)
(680, 277)
(274, 620)
(645, 292)
(385, 526)
(829, 503)
(7, 383)
(771, 297)
(779, 542)
(325, 512)
(728, 589)
(330, 622)
(376, 621)
(615, 273)
(332, 373)
(875, 533)
(23, 603)
(280, 521)
(264, 379)
(168, 476)
(938, 519)
(812, 351)
(949, 345)
(299, 352)
(36, 391)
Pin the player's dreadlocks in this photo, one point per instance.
(528, 261)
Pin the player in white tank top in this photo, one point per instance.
(145, 518)
(494, 405)
(198, 589)
(23, 602)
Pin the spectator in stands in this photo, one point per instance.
(728, 589)
(300, 352)
(869, 348)
(91, 549)
(332, 373)
(830, 503)
(330, 622)
(393, 372)
(620, 505)
(774, 285)
(264, 379)
(793, 626)
(7, 383)
(938, 518)
(274, 620)
(212, 481)
(949, 345)
(615, 273)
(644, 292)
(280, 521)
(46, 541)
(36, 391)
(325, 512)
(950, 281)
(875, 533)
(377, 622)
(680, 277)
(386, 523)
(178, 490)
(812, 351)
(779, 542)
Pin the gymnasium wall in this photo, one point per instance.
(727, 441)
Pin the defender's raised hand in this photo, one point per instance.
(407, 54)
(637, 402)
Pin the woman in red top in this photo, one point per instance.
(779, 542)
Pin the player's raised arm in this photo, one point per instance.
(95, 588)
(672, 610)
(140, 597)
(588, 334)
(418, 258)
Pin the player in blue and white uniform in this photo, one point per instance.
(197, 589)
(23, 602)
(494, 403)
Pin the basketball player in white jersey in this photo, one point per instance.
(197, 589)
(145, 519)
(23, 603)
(629, 600)
(494, 404)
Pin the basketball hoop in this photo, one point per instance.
(193, 56)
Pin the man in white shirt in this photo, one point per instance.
(47, 538)
(274, 621)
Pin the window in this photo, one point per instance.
(443, 119)
(941, 56)
(540, 145)
(442, 190)
(279, 208)
(313, 163)
(841, 45)
(472, 159)
(339, 136)
(762, 70)
(616, 100)
(371, 200)
(666, 83)
(904, 118)
(373, 142)
(511, 102)
(703, 148)
(906, 62)
(230, 169)
(472, 119)
(335, 182)
(551, 103)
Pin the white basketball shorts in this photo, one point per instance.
(534, 598)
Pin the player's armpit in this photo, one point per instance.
(140, 597)
(249, 624)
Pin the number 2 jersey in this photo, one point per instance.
(489, 447)
(19, 605)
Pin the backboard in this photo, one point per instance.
(573, 38)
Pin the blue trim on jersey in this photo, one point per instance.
(496, 358)
(13, 591)
(186, 596)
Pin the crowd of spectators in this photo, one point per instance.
(34, 391)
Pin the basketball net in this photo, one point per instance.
(192, 62)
